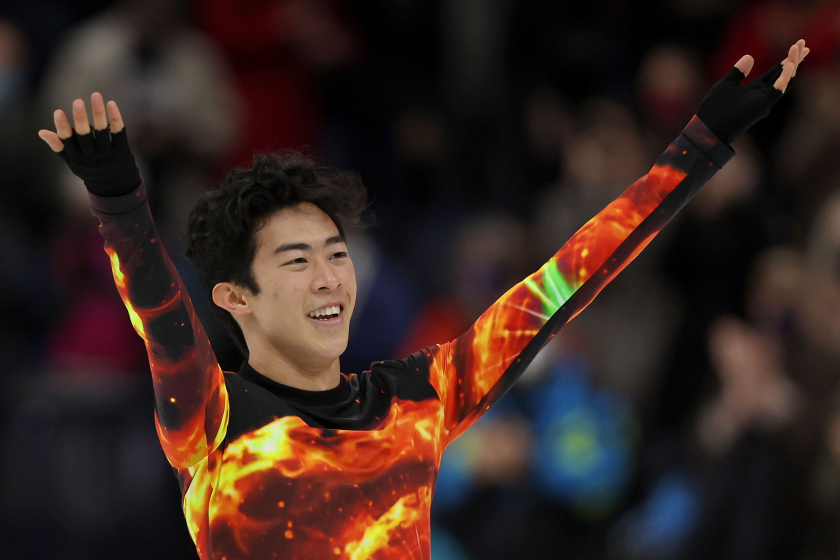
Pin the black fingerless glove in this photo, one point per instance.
(103, 161)
(729, 110)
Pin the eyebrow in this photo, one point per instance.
(300, 246)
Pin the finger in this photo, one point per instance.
(80, 117)
(117, 123)
(801, 44)
(793, 53)
(745, 64)
(782, 82)
(52, 139)
(62, 125)
(802, 54)
(97, 105)
(771, 75)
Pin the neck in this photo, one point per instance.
(282, 370)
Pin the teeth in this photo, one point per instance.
(333, 310)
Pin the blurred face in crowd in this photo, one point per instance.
(307, 288)
(740, 354)
(669, 85)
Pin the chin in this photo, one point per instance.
(334, 349)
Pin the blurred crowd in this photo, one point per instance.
(691, 412)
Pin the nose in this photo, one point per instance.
(325, 278)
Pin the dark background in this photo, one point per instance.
(692, 411)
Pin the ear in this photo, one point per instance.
(231, 298)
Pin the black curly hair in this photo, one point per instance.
(221, 234)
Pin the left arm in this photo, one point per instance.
(475, 370)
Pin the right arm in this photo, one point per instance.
(191, 403)
(191, 412)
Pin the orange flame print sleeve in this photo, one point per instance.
(192, 406)
(475, 370)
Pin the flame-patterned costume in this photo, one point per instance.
(269, 471)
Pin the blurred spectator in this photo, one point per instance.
(814, 351)
(604, 156)
(820, 311)
(823, 490)
(809, 149)
(386, 298)
(274, 47)
(795, 307)
(44, 21)
(547, 468)
(83, 473)
(824, 243)
(776, 279)
(766, 30)
(712, 246)
(490, 256)
(659, 527)
(755, 393)
(587, 436)
(746, 505)
(497, 453)
(629, 324)
(172, 84)
(486, 501)
(175, 91)
(90, 333)
(732, 493)
(669, 87)
(549, 131)
(796, 297)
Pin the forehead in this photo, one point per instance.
(305, 223)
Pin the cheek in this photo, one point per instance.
(349, 281)
(282, 303)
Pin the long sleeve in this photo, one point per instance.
(191, 412)
(476, 370)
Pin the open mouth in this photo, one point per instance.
(326, 313)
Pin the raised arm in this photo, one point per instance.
(191, 409)
(475, 370)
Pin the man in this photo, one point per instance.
(290, 458)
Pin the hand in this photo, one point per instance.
(729, 110)
(100, 157)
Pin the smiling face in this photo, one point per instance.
(307, 289)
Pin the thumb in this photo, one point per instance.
(745, 64)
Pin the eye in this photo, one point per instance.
(339, 255)
(299, 260)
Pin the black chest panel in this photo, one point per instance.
(359, 402)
